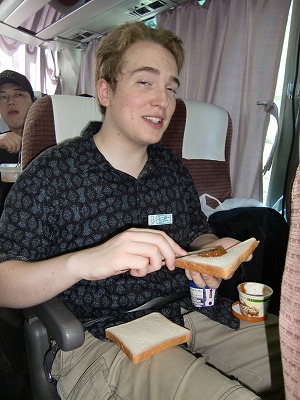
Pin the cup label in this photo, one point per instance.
(202, 297)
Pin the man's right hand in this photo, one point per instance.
(11, 142)
(139, 251)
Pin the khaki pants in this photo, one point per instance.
(99, 370)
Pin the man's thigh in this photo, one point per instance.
(251, 354)
(99, 370)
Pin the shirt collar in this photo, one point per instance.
(88, 145)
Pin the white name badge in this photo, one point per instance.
(160, 219)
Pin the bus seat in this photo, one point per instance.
(38, 132)
(52, 320)
(209, 176)
(289, 313)
(51, 119)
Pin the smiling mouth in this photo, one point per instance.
(154, 119)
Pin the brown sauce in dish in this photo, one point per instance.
(215, 252)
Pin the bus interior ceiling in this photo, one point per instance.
(60, 24)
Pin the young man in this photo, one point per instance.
(16, 97)
(90, 202)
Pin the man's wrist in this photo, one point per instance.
(202, 241)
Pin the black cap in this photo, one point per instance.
(9, 76)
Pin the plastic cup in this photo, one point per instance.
(10, 172)
(254, 299)
(202, 297)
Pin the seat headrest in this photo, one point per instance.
(72, 114)
(209, 176)
(205, 131)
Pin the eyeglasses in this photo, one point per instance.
(15, 98)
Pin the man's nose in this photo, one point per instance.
(11, 99)
(161, 98)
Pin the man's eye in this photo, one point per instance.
(172, 90)
(144, 83)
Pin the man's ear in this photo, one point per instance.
(103, 92)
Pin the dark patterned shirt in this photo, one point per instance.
(71, 198)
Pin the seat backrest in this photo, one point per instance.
(289, 313)
(210, 176)
(51, 119)
(38, 132)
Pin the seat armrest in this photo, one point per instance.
(60, 323)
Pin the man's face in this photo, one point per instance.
(14, 105)
(141, 106)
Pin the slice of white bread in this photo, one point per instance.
(222, 266)
(146, 336)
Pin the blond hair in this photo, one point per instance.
(110, 52)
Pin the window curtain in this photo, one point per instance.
(87, 86)
(233, 51)
(37, 64)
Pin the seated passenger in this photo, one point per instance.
(91, 241)
(16, 97)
